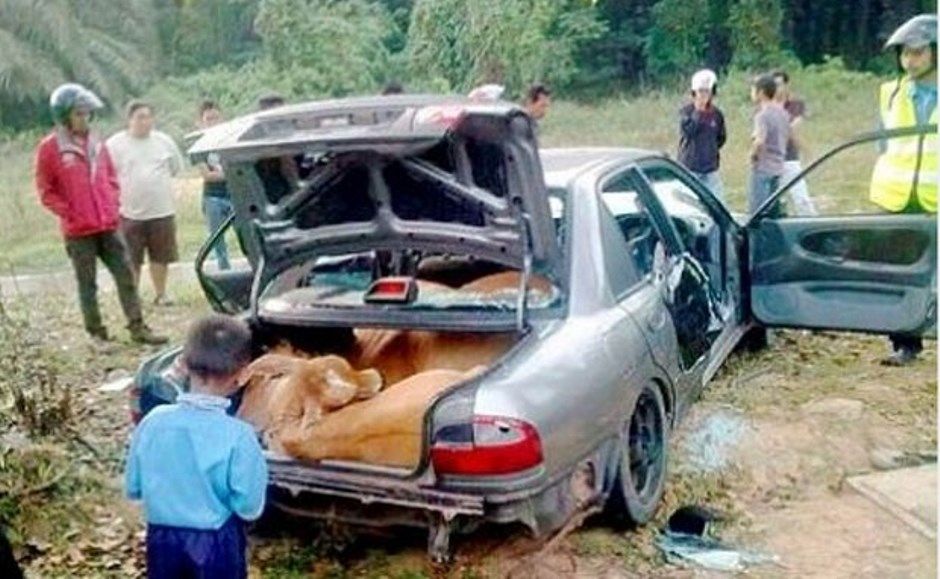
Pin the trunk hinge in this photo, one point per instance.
(522, 300)
(256, 288)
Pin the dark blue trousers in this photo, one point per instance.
(180, 553)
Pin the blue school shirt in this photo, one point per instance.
(193, 466)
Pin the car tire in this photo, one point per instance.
(642, 453)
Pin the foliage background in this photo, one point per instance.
(233, 50)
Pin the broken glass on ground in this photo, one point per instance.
(687, 541)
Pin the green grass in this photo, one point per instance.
(840, 104)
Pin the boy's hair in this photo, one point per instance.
(393, 87)
(781, 74)
(270, 100)
(766, 84)
(536, 91)
(135, 105)
(217, 346)
(208, 105)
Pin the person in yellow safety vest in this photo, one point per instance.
(905, 176)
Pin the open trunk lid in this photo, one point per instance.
(427, 173)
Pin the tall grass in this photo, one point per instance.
(840, 104)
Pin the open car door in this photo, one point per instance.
(870, 273)
(229, 290)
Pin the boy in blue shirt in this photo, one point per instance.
(200, 472)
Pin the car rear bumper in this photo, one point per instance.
(388, 497)
(370, 489)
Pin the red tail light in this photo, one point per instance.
(490, 445)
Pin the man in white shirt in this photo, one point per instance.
(146, 161)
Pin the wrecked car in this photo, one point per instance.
(574, 302)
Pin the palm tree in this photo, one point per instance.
(111, 46)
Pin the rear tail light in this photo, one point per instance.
(489, 445)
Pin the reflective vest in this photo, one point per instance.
(909, 164)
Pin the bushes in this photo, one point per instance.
(458, 44)
(31, 396)
(678, 38)
(756, 34)
(327, 47)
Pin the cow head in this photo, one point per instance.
(316, 387)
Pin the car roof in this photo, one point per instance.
(561, 165)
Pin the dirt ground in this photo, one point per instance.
(770, 445)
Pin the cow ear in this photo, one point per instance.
(370, 382)
(337, 390)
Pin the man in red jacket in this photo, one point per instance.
(77, 182)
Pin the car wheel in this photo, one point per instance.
(642, 452)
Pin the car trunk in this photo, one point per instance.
(312, 393)
(409, 174)
(333, 197)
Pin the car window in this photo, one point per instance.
(632, 233)
(697, 224)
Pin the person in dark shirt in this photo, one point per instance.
(702, 132)
(216, 202)
(281, 174)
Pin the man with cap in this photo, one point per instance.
(905, 176)
(77, 182)
(702, 131)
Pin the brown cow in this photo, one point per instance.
(398, 354)
(293, 400)
(386, 429)
(284, 391)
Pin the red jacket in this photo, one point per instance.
(78, 184)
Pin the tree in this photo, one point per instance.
(456, 44)
(110, 46)
(205, 33)
(678, 39)
(756, 37)
(330, 47)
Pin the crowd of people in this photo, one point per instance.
(904, 179)
(115, 202)
(115, 198)
(775, 144)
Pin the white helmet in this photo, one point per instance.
(704, 79)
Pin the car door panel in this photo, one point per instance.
(871, 273)
(228, 291)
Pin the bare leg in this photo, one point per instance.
(158, 275)
(135, 271)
